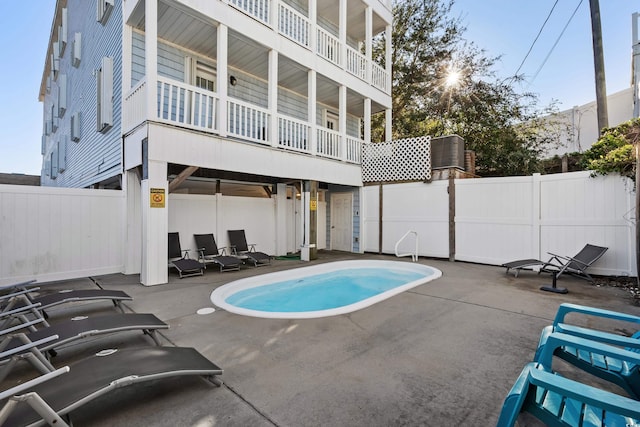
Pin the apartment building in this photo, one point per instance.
(266, 98)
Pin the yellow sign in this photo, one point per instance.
(313, 205)
(156, 199)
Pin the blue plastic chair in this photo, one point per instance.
(624, 374)
(559, 401)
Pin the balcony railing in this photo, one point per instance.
(248, 121)
(187, 105)
(379, 77)
(293, 25)
(191, 107)
(356, 63)
(328, 143)
(293, 134)
(259, 9)
(328, 46)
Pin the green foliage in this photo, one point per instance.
(615, 151)
(502, 126)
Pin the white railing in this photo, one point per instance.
(328, 46)
(293, 25)
(248, 121)
(356, 63)
(186, 105)
(135, 106)
(413, 255)
(258, 9)
(293, 134)
(354, 149)
(379, 77)
(328, 144)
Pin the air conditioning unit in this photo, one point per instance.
(447, 152)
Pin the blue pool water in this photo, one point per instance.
(322, 291)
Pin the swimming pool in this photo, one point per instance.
(321, 290)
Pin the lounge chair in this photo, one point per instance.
(72, 330)
(209, 252)
(91, 378)
(559, 401)
(559, 264)
(626, 375)
(179, 259)
(22, 296)
(240, 248)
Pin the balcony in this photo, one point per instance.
(190, 107)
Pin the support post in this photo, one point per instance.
(598, 62)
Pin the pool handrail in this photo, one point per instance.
(414, 256)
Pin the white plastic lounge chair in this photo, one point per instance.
(91, 378)
(239, 247)
(209, 252)
(179, 259)
(559, 401)
(559, 264)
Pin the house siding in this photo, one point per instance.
(96, 156)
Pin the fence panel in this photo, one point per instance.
(60, 233)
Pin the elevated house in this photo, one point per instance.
(268, 97)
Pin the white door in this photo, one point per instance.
(341, 221)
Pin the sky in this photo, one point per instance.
(505, 28)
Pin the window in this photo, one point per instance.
(54, 119)
(62, 95)
(105, 95)
(103, 10)
(75, 127)
(76, 50)
(205, 76)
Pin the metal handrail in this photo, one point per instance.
(414, 256)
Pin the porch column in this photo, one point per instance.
(151, 55)
(342, 32)
(368, 39)
(342, 121)
(388, 49)
(311, 108)
(222, 78)
(309, 220)
(313, 29)
(282, 230)
(272, 97)
(155, 223)
(388, 131)
(133, 220)
(367, 120)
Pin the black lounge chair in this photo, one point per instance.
(21, 296)
(179, 259)
(559, 264)
(91, 378)
(209, 252)
(72, 330)
(240, 248)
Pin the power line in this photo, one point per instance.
(536, 39)
(556, 43)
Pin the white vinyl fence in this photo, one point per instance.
(59, 233)
(503, 219)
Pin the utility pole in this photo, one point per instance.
(598, 61)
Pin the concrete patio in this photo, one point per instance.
(443, 353)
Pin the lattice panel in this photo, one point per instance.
(402, 160)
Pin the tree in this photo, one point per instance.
(502, 126)
(618, 150)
